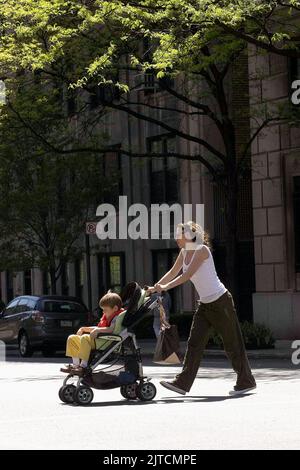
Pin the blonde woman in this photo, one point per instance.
(216, 309)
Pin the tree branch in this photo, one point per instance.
(170, 129)
(260, 44)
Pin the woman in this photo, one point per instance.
(216, 309)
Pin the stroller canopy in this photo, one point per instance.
(133, 298)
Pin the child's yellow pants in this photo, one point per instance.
(80, 346)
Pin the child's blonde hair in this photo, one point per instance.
(111, 299)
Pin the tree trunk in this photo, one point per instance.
(232, 266)
(53, 280)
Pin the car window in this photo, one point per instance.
(11, 308)
(56, 306)
(31, 304)
(25, 305)
(22, 306)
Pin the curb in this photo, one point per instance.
(147, 349)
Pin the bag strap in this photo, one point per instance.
(162, 315)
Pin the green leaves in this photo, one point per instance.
(98, 34)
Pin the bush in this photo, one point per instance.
(256, 336)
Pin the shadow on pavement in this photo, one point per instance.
(167, 401)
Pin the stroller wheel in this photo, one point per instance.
(83, 395)
(146, 391)
(66, 393)
(129, 391)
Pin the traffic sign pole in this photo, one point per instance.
(89, 230)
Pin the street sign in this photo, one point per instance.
(90, 228)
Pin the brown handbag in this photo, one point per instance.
(167, 350)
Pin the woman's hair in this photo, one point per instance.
(111, 299)
(196, 233)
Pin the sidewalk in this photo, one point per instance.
(281, 351)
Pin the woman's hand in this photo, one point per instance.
(80, 331)
(150, 290)
(160, 287)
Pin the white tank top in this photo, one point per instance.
(205, 279)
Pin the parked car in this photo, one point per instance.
(42, 322)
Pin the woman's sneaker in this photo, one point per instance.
(241, 391)
(172, 386)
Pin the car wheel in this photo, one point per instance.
(25, 349)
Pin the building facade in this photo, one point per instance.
(276, 209)
(269, 206)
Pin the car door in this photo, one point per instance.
(7, 320)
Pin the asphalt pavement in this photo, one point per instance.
(33, 417)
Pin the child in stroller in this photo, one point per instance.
(79, 346)
(126, 370)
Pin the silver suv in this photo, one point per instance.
(41, 322)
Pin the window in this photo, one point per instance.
(294, 69)
(22, 305)
(162, 261)
(65, 279)
(147, 81)
(296, 204)
(163, 171)
(219, 212)
(111, 272)
(115, 273)
(293, 74)
(113, 176)
(105, 92)
(31, 304)
(11, 308)
(71, 102)
(9, 286)
(79, 277)
(27, 282)
(55, 306)
(46, 282)
(25, 304)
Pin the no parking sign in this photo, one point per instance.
(90, 228)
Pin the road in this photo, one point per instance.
(32, 416)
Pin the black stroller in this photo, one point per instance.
(120, 350)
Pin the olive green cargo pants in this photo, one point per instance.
(221, 315)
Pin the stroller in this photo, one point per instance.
(120, 350)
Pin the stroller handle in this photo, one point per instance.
(162, 293)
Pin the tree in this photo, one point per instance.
(272, 26)
(198, 43)
(45, 199)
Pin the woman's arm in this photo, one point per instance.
(199, 257)
(173, 271)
